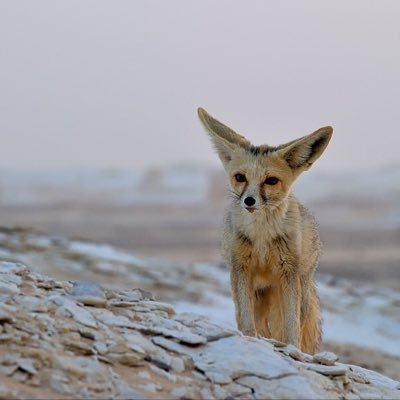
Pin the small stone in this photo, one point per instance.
(203, 327)
(27, 365)
(89, 293)
(334, 370)
(294, 352)
(87, 333)
(177, 364)
(325, 358)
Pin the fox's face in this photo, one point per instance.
(258, 180)
(261, 176)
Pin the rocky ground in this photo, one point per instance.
(361, 322)
(86, 332)
(64, 339)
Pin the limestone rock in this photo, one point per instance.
(224, 359)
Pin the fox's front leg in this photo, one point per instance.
(243, 298)
(291, 300)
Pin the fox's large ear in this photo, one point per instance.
(302, 153)
(223, 137)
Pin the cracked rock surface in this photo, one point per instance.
(75, 339)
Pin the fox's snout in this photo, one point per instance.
(253, 197)
(249, 203)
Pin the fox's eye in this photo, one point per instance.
(240, 178)
(271, 180)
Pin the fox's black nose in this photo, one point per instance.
(249, 201)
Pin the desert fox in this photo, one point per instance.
(271, 241)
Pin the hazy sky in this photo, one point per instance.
(117, 83)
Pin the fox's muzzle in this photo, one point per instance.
(249, 203)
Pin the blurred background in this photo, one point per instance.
(100, 138)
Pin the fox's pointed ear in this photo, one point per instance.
(223, 137)
(300, 154)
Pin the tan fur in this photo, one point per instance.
(272, 247)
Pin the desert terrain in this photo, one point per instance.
(175, 216)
